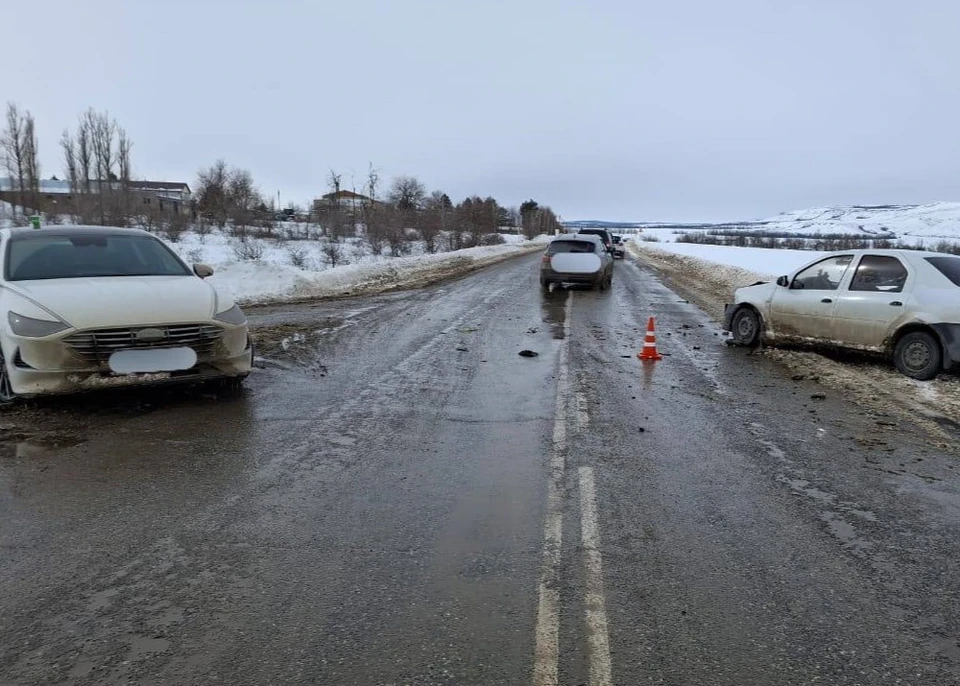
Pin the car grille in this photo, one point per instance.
(97, 345)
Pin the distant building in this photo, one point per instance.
(57, 197)
(344, 200)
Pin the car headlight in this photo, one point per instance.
(28, 327)
(233, 316)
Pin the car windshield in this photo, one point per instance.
(34, 257)
(571, 246)
(948, 266)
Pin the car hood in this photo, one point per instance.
(758, 292)
(101, 302)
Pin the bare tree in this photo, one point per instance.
(212, 201)
(243, 198)
(123, 168)
(30, 161)
(373, 182)
(407, 193)
(84, 150)
(14, 155)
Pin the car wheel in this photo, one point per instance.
(746, 327)
(544, 283)
(918, 355)
(6, 388)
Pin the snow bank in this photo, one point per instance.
(273, 278)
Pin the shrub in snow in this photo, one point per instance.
(492, 239)
(248, 249)
(297, 256)
(333, 254)
(194, 256)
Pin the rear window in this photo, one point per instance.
(948, 266)
(571, 246)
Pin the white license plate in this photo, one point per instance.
(152, 360)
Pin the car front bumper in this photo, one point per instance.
(50, 367)
(728, 312)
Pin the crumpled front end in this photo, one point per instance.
(80, 360)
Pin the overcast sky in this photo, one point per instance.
(611, 109)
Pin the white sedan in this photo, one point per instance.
(901, 303)
(91, 307)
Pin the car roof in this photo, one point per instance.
(584, 237)
(910, 255)
(70, 230)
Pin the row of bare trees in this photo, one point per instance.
(18, 147)
(96, 158)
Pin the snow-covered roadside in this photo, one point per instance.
(874, 385)
(269, 280)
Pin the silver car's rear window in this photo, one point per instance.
(77, 255)
(571, 246)
(948, 266)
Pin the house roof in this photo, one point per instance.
(345, 195)
(62, 186)
(159, 186)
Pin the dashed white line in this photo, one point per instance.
(598, 639)
(547, 651)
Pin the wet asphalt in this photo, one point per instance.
(371, 509)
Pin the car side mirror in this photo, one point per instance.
(203, 270)
(783, 281)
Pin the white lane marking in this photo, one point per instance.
(598, 638)
(583, 415)
(547, 651)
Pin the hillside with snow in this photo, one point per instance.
(911, 224)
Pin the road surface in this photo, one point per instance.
(399, 497)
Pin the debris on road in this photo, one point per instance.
(818, 396)
(528, 353)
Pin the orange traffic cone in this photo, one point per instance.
(649, 351)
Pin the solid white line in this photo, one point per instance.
(547, 651)
(598, 638)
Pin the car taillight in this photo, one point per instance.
(546, 259)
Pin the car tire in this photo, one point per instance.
(746, 327)
(544, 283)
(918, 355)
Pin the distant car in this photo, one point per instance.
(91, 307)
(619, 251)
(901, 303)
(604, 235)
(577, 259)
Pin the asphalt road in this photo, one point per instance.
(401, 498)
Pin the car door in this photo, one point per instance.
(805, 307)
(873, 301)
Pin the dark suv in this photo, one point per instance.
(604, 235)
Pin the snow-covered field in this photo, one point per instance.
(766, 262)
(911, 224)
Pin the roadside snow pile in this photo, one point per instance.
(273, 277)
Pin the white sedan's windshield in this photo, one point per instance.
(34, 257)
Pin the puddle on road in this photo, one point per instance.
(554, 307)
(38, 446)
